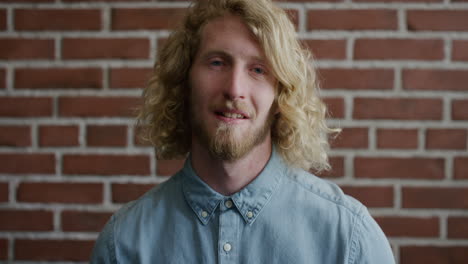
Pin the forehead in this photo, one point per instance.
(231, 35)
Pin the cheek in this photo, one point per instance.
(199, 99)
(196, 85)
(267, 98)
(203, 85)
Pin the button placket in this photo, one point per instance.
(228, 234)
(227, 247)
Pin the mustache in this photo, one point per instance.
(231, 105)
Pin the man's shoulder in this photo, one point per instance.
(322, 190)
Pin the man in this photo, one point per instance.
(233, 90)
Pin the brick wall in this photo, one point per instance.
(395, 76)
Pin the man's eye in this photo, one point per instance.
(216, 63)
(258, 70)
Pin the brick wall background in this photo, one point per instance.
(395, 76)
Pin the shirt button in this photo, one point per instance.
(249, 214)
(204, 214)
(228, 203)
(227, 247)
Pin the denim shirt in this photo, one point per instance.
(284, 216)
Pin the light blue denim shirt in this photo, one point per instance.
(284, 216)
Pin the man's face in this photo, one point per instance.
(232, 90)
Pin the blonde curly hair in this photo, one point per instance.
(299, 132)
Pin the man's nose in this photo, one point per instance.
(236, 85)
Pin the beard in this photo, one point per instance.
(229, 142)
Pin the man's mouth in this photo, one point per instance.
(232, 115)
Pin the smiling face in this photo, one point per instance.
(232, 90)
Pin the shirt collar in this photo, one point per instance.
(249, 201)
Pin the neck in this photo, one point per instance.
(229, 177)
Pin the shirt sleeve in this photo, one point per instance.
(104, 248)
(369, 244)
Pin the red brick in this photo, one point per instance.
(435, 197)
(357, 79)
(460, 109)
(335, 106)
(106, 164)
(58, 135)
(20, 220)
(98, 106)
(27, 163)
(397, 138)
(398, 108)
(52, 192)
(129, 77)
(15, 136)
(53, 250)
(58, 78)
(84, 221)
(168, 167)
(399, 49)
(3, 19)
(57, 19)
(371, 196)
(25, 106)
(4, 192)
(337, 168)
(146, 18)
(399, 168)
(433, 254)
(428, 79)
(460, 168)
(437, 20)
(334, 49)
(446, 139)
(126, 192)
(3, 249)
(356, 19)
(460, 50)
(351, 137)
(2, 79)
(26, 48)
(397, 226)
(457, 227)
(109, 48)
(106, 135)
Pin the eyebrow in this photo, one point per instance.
(215, 53)
(225, 54)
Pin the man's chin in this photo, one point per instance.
(231, 142)
(228, 146)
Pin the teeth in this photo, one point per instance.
(233, 115)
